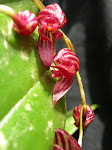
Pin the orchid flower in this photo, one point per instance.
(50, 19)
(64, 141)
(66, 64)
(86, 120)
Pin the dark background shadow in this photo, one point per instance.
(90, 29)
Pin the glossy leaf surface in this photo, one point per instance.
(31, 122)
(18, 60)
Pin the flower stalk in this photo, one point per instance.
(83, 100)
(82, 93)
(81, 128)
(11, 13)
(24, 22)
(39, 4)
(83, 107)
(67, 42)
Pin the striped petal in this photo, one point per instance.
(65, 141)
(56, 73)
(57, 35)
(60, 88)
(52, 16)
(43, 35)
(46, 50)
(67, 62)
(57, 147)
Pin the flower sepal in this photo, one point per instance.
(64, 141)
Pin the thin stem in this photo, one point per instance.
(7, 10)
(83, 100)
(67, 41)
(82, 93)
(11, 13)
(81, 128)
(83, 110)
(39, 4)
(70, 46)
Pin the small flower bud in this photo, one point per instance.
(26, 22)
(86, 120)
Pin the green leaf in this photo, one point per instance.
(31, 122)
(70, 127)
(19, 5)
(28, 119)
(19, 60)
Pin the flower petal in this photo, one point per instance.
(67, 62)
(64, 72)
(57, 35)
(46, 50)
(65, 141)
(57, 147)
(51, 22)
(60, 88)
(56, 73)
(43, 35)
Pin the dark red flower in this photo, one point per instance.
(25, 22)
(50, 19)
(66, 64)
(64, 141)
(86, 120)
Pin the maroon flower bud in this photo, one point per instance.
(26, 23)
(66, 64)
(64, 141)
(86, 120)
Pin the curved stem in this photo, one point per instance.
(7, 10)
(83, 100)
(81, 128)
(70, 46)
(82, 93)
(11, 13)
(67, 41)
(83, 110)
(39, 4)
